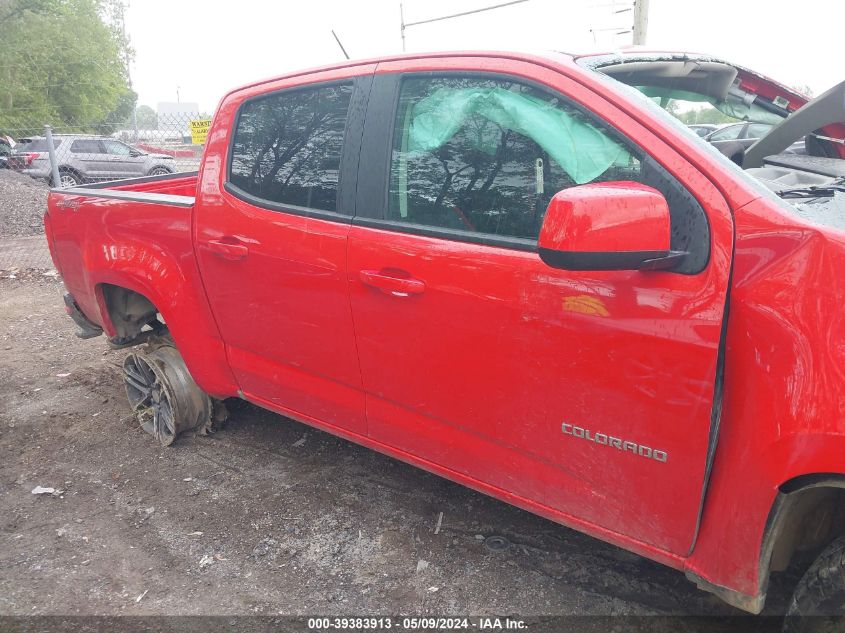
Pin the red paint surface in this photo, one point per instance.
(600, 217)
(467, 360)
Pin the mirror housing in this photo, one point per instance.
(608, 226)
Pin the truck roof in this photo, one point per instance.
(588, 59)
(555, 56)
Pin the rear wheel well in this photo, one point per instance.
(807, 515)
(130, 312)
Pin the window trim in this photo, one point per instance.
(350, 147)
(457, 235)
(280, 207)
(379, 138)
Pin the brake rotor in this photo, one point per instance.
(164, 397)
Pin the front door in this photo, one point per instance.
(588, 393)
(89, 157)
(272, 242)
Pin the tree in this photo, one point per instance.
(147, 118)
(804, 90)
(63, 62)
(704, 114)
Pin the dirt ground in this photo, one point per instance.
(266, 516)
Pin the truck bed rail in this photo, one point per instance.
(134, 196)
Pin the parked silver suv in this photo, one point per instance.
(84, 158)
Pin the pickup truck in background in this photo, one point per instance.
(517, 272)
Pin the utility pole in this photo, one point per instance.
(640, 22)
(402, 25)
(122, 9)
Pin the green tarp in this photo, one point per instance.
(582, 151)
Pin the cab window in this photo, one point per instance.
(287, 146)
(487, 155)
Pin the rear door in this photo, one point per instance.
(272, 224)
(587, 393)
(122, 161)
(89, 157)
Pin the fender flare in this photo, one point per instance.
(176, 290)
(780, 512)
(795, 463)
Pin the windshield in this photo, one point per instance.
(691, 107)
(665, 115)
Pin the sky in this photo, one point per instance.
(203, 48)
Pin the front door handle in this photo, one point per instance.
(227, 250)
(391, 284)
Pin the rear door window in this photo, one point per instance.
(287, 146)
(86, 146)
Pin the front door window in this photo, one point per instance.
(487, 155)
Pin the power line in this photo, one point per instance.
(404, 25)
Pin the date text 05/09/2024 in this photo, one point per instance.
(416, 623)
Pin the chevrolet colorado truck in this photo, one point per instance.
(518, 272)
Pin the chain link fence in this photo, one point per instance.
(84, 153)
(87, 153)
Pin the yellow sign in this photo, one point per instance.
(199, 131)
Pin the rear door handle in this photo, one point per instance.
(391, 284)
(227, 250)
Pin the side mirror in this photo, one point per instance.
(134, 153)
(608, 226)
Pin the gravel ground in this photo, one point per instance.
(267, 516)
(23, 201)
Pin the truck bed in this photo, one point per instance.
(171, 189)
(133, 233)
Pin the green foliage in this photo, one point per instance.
(804, 90)
(146, 117)
(63, 62)
(706, 114)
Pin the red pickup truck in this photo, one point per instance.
(517, 272)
